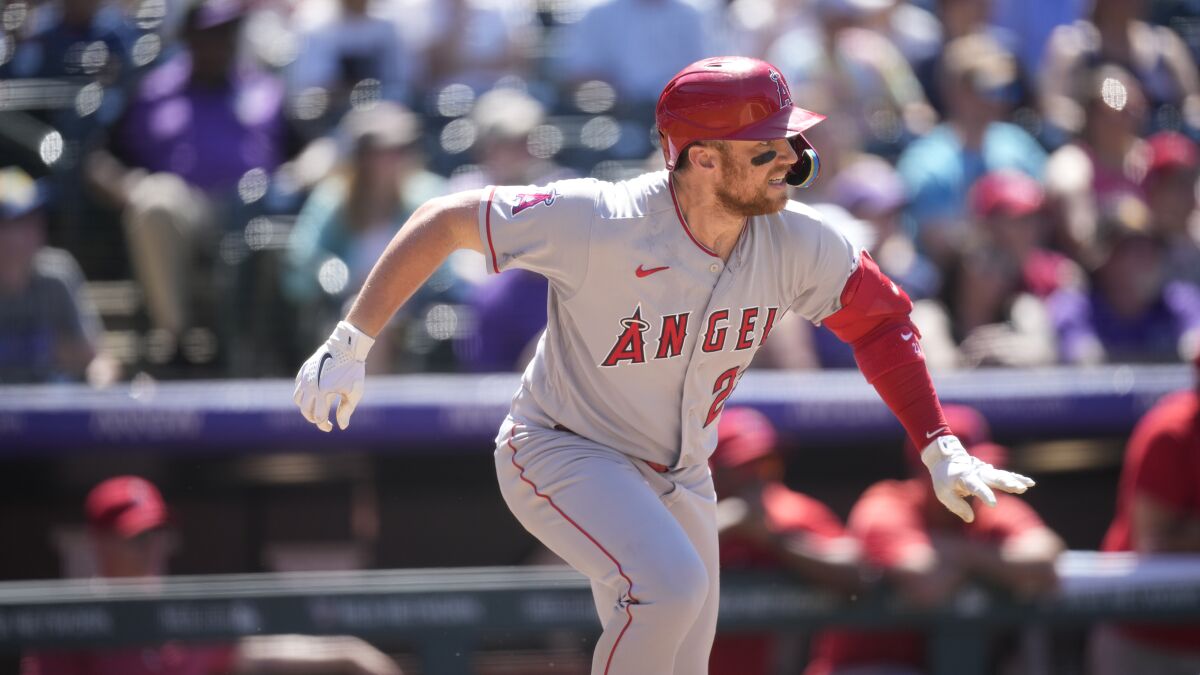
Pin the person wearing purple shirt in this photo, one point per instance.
(510, 315)
(200, 138)
(1131, 314)
(179, 112)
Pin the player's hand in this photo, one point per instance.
(333, 374)
(956, 475)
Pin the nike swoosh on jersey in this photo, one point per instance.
(320, 366)
(642, 272)
(906, 335)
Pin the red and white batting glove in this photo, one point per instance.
(956, 474)
(334, 373)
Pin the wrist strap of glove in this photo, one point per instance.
(943, 447)
(353, 340)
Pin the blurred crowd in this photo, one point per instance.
(197, 188)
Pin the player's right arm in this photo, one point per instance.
(335, 372)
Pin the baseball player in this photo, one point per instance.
(661, 288)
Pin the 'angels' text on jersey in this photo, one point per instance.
(672, 330)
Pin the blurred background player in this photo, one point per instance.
(927, 555)
(1158, 511)
(764, 525)
(128, 526)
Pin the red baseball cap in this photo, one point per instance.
(1171, 151)
(126, 506)
(744, 435)
(1006, 193)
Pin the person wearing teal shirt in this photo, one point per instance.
(351, 215)
(939, 168)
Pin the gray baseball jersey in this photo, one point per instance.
(647, 330)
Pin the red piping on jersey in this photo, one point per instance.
(488, 222)
(683, 221)
(620, 570)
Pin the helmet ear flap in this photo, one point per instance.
(807, 167)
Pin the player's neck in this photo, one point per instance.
(710, 223)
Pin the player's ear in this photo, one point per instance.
(703, 155)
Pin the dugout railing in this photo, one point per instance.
(448, 613)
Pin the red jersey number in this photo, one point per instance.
(722, 388)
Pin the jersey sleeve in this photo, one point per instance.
(541, 229)
(1162, 474)
(823, 260)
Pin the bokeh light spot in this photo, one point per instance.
(333, 275)
(51, 148)
(1113, 93)
(458, 136)
(455, 100)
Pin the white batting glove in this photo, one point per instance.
(334, 373)
(956, 474)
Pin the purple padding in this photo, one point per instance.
(461, 413)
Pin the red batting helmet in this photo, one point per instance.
(735, 98)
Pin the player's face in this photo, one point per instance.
(142, 556)
(751, 176)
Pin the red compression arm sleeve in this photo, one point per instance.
(874, 321)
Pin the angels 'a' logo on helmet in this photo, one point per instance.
(785, 96)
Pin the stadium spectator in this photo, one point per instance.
(928, 556)
(1132, 313)
(128, 526)
(350, 217)
(751, 26)
(86, 48)
(349, 56)
(78, 39)
(1107, 161)
(978, 77)
(1116, 34)
(509, 310)
(1158, 511)
(199, 141)
(859, 73)
(505, 120)
(764, 525)
(1005, 274)
(473, 42)
(871, 190)
(1170, 188)
(959, 18)
(49, 330)
(1031, 23)
(635, 45)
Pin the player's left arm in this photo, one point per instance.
(874, 319)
